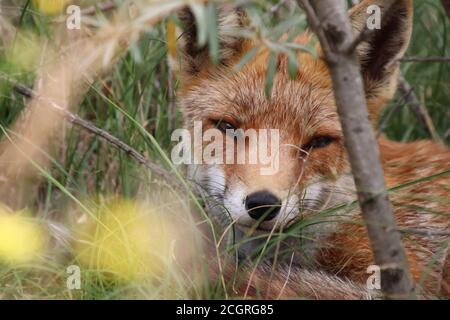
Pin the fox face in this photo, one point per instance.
(310, 150)
(312, 173)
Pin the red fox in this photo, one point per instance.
(313, 187)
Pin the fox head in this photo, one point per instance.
(313, 171)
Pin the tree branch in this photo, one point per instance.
(74, 119)
(383, 125)
(425, 232)
(419, 110)
(335, 32)
(365, 32)
(425, 59)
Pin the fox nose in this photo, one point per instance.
(262, 204)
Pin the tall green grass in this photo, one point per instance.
(136, 95)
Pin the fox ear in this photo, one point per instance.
(190, 59)
(382, 47)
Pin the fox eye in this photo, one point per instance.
(319, 142)
(223, 125)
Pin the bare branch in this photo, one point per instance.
(425, 232)
(316, 26)
(425, 59)
(334, 30)
(419, 110)
(386, 120)
(358, 39)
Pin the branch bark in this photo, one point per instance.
(74, 119)
(330, 21)
(425, 59)
(419, 110)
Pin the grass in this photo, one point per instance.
(134, 102)
(430, 80)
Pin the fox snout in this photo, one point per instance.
(262, 205)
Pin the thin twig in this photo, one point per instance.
(317, 27)
(425, 59)
(386, 120)
(76, 120)
(425, 232)
(419, 110)
(358, 39)
(171, 107)
(334, 30)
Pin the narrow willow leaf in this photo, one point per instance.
(292, 63)
(300, 47)
(202, 22)
(213, 39)
(246, 58)
(136, 53)
(285, 26)
(271, 71)
(294, 33)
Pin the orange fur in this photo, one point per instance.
(304, 108)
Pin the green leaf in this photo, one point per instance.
(299, 47)
(246, 58)
(285, 26)
(201, 18)
(292, 63)
(271, 71)
(213, 39)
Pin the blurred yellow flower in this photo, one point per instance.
(129, 240)
(50, 7)
(21, 238)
